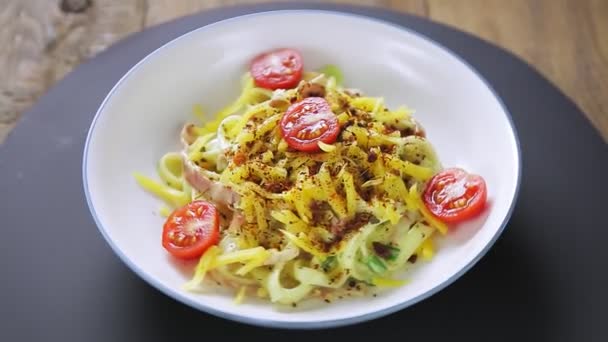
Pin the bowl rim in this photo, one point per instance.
(320, 324)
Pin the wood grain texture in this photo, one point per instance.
(160, 11)
(41, 40)
(566, 40)
(40, 44)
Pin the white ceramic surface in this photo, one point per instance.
(141, 117)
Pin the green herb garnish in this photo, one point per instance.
(329, 263)
(331, 70)
(375, 264)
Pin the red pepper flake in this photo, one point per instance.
(381, 250)
(277, 187)
(372, 156)
(239, 158)
(413, 258)
(314, 169)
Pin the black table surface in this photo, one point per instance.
(544, 280)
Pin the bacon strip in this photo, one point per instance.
(205, 181)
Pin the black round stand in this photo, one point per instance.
(544, 280)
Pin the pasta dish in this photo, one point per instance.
(305, 188)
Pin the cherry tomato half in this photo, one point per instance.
(453, 195)
(307, 122)
(277, 69)
(191, 229)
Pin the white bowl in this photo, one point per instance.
(140, 120)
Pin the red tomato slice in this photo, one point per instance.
(453, 195)
(191, 229)
(307, 122)
(277, 69)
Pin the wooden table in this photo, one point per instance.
(42, 40)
